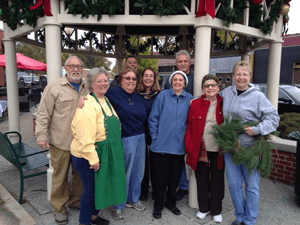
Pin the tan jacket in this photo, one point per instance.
(56, 111)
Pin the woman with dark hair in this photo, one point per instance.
(202, 150)
(132, 112)
(148, 88)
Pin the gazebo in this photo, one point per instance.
(206, 28)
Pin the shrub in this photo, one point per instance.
(289, 122)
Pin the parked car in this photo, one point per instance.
(288, 98)
(23, 76)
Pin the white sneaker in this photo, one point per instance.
(138, 206)
(201, 215)
(218, 218)
(117, 214)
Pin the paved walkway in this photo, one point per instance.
(278, 204)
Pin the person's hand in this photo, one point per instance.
(43, 144)
(249, 131)
(95, 167)
(81, 102)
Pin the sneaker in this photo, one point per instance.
(181, 193)
(237, 223)
(138, 206)
(117, 214)
(218, 218)
(61, 218)
(201, 215)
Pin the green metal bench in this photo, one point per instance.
(24, 157)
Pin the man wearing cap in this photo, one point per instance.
(183, 63)
(167, 125)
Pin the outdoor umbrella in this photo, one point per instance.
(24, 62)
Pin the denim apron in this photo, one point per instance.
(110, 179)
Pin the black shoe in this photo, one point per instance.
(181, 193)
(144, 197)
(100, 221)
(156, 214)
(237, 223)
(174, 210)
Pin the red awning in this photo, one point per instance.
(24, 62)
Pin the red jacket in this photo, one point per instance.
(195, 128)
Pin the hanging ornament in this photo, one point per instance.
(284, 9)
(206, 7)
(257, 1)
(47, 7)
(285, 19)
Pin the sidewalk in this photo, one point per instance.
(278, 205)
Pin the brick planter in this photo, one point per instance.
(284, 162)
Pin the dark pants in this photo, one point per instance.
(87, 201)
(147, 174)
(210, 185)
(166, 172)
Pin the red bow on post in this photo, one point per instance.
(206, 7)
(47, 7)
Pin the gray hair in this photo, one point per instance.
(182, 52)
(73, 56)
(92, 74)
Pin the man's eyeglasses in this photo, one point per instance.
(73, 66)
(210, 85)
(130, 78)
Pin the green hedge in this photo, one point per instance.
(289, 122)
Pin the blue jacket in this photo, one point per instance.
(251, 106)
(167, 122)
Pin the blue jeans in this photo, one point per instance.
(87, 201)
(246, 210)
(134, 153)
(183, 183)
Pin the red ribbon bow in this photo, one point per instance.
(47, 7)
(206, 7)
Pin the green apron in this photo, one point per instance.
(110, 179)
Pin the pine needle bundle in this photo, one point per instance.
(258, 155)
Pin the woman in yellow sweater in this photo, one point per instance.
(97, 151)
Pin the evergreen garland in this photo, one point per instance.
(161, 8)
(18, 11)
(92, 7)
(259, 154)
(228, 14)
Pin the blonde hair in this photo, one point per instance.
(243, 64)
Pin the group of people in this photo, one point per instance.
(118, 138)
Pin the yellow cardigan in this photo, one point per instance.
(88, 127)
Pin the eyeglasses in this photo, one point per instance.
(73, 66)
(210, 85)
(241, 75)
(130, 78)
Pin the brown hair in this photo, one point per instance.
(210, 77)
(155, 87)
(124, 72)
(244, 64)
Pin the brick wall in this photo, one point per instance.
(284, 167)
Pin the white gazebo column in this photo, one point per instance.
(202, 51)
(274, 72)
(274, 65)
(12, 84)
(202, 58)
(53, 43)
(245, 57)
(53, 60)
